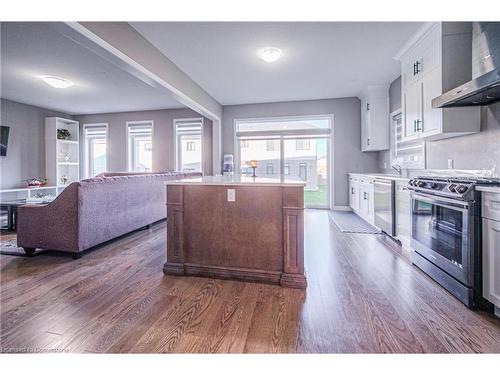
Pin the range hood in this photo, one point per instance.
(484, 88)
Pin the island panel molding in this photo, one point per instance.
(258, 237)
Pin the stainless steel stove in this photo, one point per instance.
(446, 232)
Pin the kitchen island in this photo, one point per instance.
(236, 227)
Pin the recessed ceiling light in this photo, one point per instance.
(270, 54)
(57, 82)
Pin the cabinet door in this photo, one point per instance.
(364, 204)
(365, 125)
(403, 214)
(370, 203)
(353, 194)
(491, 261)
(378, 131)
(432, 117)
(412, 109)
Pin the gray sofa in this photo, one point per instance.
(94, 211)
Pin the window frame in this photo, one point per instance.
(327, 133)
(178, 149)
(86, 149)
(128, 151)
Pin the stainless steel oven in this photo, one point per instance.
(442, 231)
(446, 233)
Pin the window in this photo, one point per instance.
(270, 169)
(302, 144)
(295, 148)
(303, 171)
(95, 149)
(140, 146)
(271, 145)
(287, 169)
(188, 143)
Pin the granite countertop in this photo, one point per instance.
(237, 180)
(384, 175)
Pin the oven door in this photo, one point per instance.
(440, 233)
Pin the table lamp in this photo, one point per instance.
(253, 164)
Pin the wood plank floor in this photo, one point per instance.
(362, 297)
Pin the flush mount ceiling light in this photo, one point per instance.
(57, 82)
(270, 54)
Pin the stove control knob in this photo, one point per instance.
(461, 189)
(420, 183)
(432, 185)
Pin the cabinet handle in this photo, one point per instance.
(418, 63)
(414, 69)
(352, 190)
(368, 141)
(414, 126)
(364, 196)
(419, 128)
(367, 106)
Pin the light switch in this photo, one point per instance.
(450, 163)
(231, 195)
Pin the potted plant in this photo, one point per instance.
(63, 134)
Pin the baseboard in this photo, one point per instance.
(234, 273)
(341, 208)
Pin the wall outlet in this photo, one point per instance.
(385, 165)
(231, 195)
(450, 163)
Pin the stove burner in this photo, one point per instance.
(458, 187)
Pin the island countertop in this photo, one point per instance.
(237, 180)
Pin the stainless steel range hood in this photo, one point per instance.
(484, 88)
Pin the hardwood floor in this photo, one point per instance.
(362, 297)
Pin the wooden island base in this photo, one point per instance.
(257, 237)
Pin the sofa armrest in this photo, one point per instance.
(53, 226)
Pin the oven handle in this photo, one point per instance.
(441, 201)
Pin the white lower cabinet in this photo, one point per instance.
(361, 192)
(491, 248)
(491, 261)
(403, 215)
(353, 193)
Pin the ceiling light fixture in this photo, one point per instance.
(57, 82)
(270, 54)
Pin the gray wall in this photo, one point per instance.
(163, 137)
(346, 148)
(26, 151)
(475, 151)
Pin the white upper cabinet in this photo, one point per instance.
(375, 118)
(436, 60)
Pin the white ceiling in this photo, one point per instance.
(321, 60)
(30, 50)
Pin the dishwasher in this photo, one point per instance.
(384, 205)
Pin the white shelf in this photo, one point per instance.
(55, 165)
(68, 141)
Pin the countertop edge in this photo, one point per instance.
(488, 189)
(395, 178)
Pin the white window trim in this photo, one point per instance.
(127, 155)
(176, 141)
(329, 135)
(86, 160)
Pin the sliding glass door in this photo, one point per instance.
(306, 159)
(288, 148)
